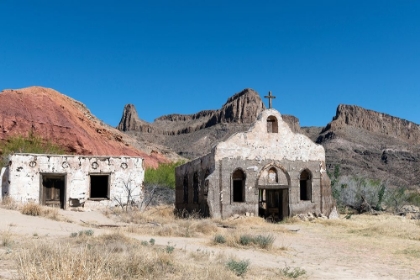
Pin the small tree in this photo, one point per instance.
(131, 191)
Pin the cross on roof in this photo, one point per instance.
(269, 96)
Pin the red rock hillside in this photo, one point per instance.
(65, 121)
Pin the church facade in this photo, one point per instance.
(268, 171)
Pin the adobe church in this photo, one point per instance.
(268, 171)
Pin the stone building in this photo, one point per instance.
(268, 171)
(69, 181)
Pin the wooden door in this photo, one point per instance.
(53, 194)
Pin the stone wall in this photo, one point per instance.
(26, 172)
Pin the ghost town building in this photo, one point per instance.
(67, 181)
(268, 171)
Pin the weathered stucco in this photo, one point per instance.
(25, 175)
(271, 158)
(258, 144)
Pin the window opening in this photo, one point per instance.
(99, 186)
(272, 124)
(305, 185)
(238, 178)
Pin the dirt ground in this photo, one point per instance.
(363, 247)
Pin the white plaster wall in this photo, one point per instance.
(258, 144)
(26, 171)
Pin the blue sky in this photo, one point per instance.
(186, 56)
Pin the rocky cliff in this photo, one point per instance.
(372, 144)
(194, 135)
(65, 121)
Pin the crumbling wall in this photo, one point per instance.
(26, 171)
(202, 168)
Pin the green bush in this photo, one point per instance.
(262, 241)
(246, 239)
(164, 175)
(238, 267)
(27, 144)
(219, 239)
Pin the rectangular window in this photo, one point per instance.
(99, 187)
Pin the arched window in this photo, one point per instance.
(238, 180)
(195, 187)
(272, 176)
(305, 185)
(272, 125)
(185, 188)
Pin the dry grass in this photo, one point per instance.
(6, 238)
(34, 209)
(381, 226)
(112, 256)
(9, 203)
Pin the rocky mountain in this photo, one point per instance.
(372, 144)
(67, 122)
(194, 135)
(361, 142)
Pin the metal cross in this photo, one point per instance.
(269, 96)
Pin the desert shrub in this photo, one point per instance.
(31, 209)
(413, 198)
(353, 191)
(28, 144)
(293, 273)
(246, 239)
(220, 239)
(262, 241)
(164, 175)
(238, 267)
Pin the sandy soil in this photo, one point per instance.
(325, 252)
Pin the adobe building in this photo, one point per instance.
(268, 171)
(67, 181)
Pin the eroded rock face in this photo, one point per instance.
(348, 115)
(370, 144)
(194, 135)
(241, 108)
(62, 120)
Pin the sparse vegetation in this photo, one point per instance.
(238, 267)
(365, 195)
(34, 209)
(6, 238)
(27, 144)
(293, 272)
(220, 239)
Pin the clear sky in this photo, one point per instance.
(186, 56)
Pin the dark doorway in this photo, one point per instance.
(99, 186)
(53, 190)
(274, 204)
